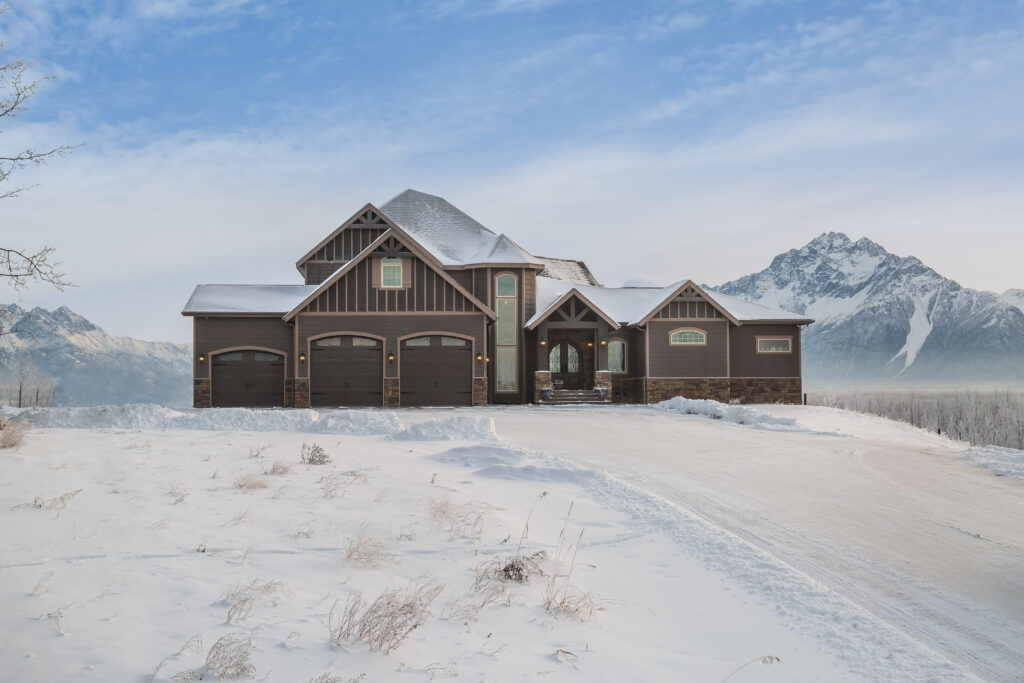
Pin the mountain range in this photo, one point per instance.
(81, 364)
(883, 318)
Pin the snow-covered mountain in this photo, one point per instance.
(881, 316)
(86, 365)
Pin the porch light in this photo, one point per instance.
(590, 344)
(543, 342)
(479, 356)
(604, 342)
(391, 358)
(202, 358)
(487, 360)
(302, 358)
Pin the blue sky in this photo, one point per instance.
(220, 139)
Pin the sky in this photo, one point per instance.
(218, 140)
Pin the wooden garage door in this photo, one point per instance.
(437, 371)
(248, 379)
(346, 371)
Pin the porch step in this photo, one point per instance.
(575, 396)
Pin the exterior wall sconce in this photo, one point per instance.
(391, 358)
(590, 344)
(479, 356)
(302, 358)
(202, 358)
(543, 342)
(604, 342)
(487, 360)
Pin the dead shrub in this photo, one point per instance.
(12, 434)
(366, 550)
(314, 454)
(58, 503)
(229, 657)
(243, 597)
(461, 521)
(279, 468)
(389, 619)
(250, 482)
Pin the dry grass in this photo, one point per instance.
(279, 468)
(59, 503)
(243, 597)
(366, 550)
(331, 678)
(560, 596)
(314, 454)
(250, 482)
(229, 657)
(461, 521)
(388, 620)
(12, 434)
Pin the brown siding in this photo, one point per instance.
(530, 293)
(358, 292)
(687, 361)
(391, 327)
(318, 272)
(689, 305)
(348, 243)
(745, 360)
(213, 333)
(463, 277)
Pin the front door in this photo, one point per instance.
(566, 366)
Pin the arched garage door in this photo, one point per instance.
(346, 371)
(437, 371)
(249, 379)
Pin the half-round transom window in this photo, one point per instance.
(689, 338)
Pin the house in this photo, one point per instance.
(415, 303)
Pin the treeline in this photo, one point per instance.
(978, 417)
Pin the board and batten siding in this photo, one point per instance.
(391, 328)
(358, 291)
(213, 333)
(687, 361)
(747, 362)
(682, 309)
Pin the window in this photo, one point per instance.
(231, 357)
(617, 355)
(506, 335)
(452, 341)
(391, 273)
(774, 344)
(418, 341)
(328, 342)
(688, 337)
(264, 357)
(365, 341)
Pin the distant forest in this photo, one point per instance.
(981, 418)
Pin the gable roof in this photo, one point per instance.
(637, 305)
(454, 237)
(411, 244)
(368, 209)
(226, 299)
(568, 270)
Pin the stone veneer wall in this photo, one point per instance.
(767, 390)
(479, 391)
(742, 390)
(627, 389)
(202, 393)
(392, 397)
(603, 378)
(300, 393)
(541, 379)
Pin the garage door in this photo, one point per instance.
(248, 379)
(346, 371)
(437, 371)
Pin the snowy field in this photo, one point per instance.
(141, 543)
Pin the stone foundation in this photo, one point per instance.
(603, 380)
(627, 389)
(202, 393)
(300, 393)
(392, 396)
(541, 380)
(696, 387)
(479, 391)
(767, 390)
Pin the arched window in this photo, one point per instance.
(506, 333)
(688, 336)
(616, 355)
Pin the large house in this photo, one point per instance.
(415, 303)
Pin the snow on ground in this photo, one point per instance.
(132, 539)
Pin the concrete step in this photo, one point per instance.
(575, 396)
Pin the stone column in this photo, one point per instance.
(479, 391)
(392, 398)
(202, 395)
(300, 393)
(541, 380)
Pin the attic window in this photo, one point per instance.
(391, 273)
(775, 345)
(688, 337)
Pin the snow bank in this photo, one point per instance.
(1006, 462)
(568, 475)
(722, 411)
(150, 416)
(450, 429)
(479, 456)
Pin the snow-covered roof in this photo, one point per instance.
(452, 236)
(246, 298)
(630, 305)
(567, 269)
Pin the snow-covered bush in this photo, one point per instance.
(314, 454)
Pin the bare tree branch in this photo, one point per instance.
(21, 267)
